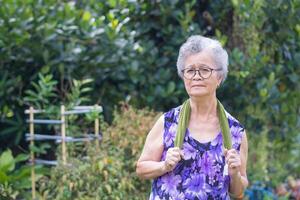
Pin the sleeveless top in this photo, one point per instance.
(200, 175)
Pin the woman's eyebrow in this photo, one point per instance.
(197, 65)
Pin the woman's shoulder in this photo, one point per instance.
(172, 114)
(237, 131)
(233, 121)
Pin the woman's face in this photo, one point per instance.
(197, 86)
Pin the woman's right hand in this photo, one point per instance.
(174, 155)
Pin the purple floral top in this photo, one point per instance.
(200, 175)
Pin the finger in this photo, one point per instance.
(174, 153)
(230, 156)
(175, 159)
(182, 154)
(173, 149)
(234, 165)
(230, 153)
(172, 163)
(170, 156)
(233, 156)
(225, 151)
(168, 164)
(170, 151)
(233, 151)
(233, 159)
(230, 159)
(177, 149)
(172, 159)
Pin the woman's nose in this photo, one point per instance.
(197, 75)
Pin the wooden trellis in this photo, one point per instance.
(62, 138)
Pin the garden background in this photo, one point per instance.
(122, 55)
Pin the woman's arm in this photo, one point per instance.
(239, 180)
(149, 164)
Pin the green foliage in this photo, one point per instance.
(110, 172)
(129, 49)
(44, 96)
(42, 93)
(78, 93)
(15, 181)
(265, 62)
(258, 154)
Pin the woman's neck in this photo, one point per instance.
(203, 108)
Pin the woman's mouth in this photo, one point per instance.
(198, 86)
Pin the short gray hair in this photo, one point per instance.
(196, 44)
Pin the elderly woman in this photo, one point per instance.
(202, 168)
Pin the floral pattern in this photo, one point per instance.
(200, 175)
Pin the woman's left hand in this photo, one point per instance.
(233, 160)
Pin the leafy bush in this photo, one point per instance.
(109, 173)
(264, 64)
(15, 180)
(130, 47)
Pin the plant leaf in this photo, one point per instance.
(7, 162)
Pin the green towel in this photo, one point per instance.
(183, 123)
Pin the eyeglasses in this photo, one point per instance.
(204, 72)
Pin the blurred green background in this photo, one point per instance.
(106, 52)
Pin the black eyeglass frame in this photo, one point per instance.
(199, 72)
